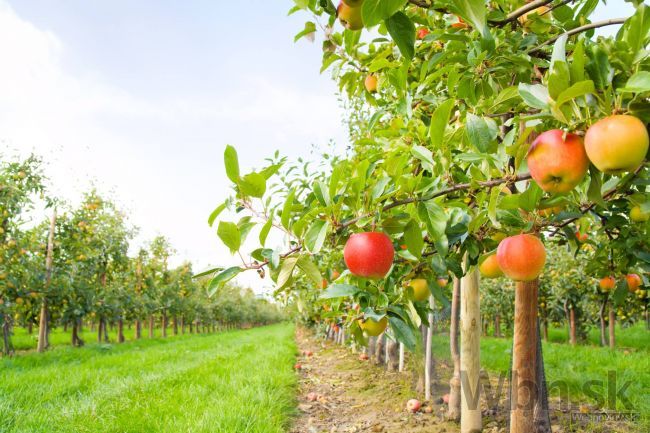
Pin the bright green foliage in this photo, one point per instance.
(156, 385)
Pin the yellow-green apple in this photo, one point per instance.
(617, 143)
(557, 161)
(638, 216)
(371, 83)
(369, 254)
(420, 289)
(372, 328)
(633, 282)
(349, 16)
(489, 268)
(521, 257)
(607, 284)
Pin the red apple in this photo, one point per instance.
(633, 282)
(413, 405)
(369, 254)
(617, 143)
(335, 274)
(363, 357)
(521, 257)
(422, 33)
(582, 237)
(557, 161)
(607, 284)
(490, 267)
(297, 367)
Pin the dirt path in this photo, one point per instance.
(352, 396)
(340, 393)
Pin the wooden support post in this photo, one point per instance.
(454, 383)
(43, 330)
(428, 356)
(401, 357)
(470, 365)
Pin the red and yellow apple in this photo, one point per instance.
(607, 284)
(557, 161)
(372, 328)
(413, 405)
(521, 257)
(369, 254)
(581, 237)
(349, 16)
(617, 143)
(489, 268)
(420, 289)
(633, 282)
(442, 281)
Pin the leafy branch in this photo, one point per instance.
(580, 29)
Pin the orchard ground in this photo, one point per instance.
(242, 381)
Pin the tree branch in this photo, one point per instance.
(580, 29)
(512, 16)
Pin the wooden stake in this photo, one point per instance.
(470, 364)
(43, 332)
(454, 383)
(428, 354)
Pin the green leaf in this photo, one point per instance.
(474, 12)
(435, 219)
(529, 199)
(478, 132)
(594, 193)
(424, 155)
(222, 278)
(286, 209)
(253, 185)
(439, 122)
(413, 238)
(215, 213)
(638, 83)
(492, 206)
(232, 164)
(264, 232)
(229, 234)
(285, 277)
(577, 66)
(310, 28)
(322, 193)
(578, 89)
(559, 75)
(316, 234)
(309, 268)
(535, 95)
(635, 29)
(403, 332)
(375, 11)
(402, 30)
(207, 272)
(339, 291)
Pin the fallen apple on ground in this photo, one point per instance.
(413, 405)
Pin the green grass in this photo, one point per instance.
(574, 366)
(237, 381)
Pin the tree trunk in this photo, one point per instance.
(76, 340)
(164, 324)
(100, 329)
(545, 328)
(573, 337)
(191, 328)
(497, 325)
(392, 348)
(138, 329)
(470, 338)
(7, 346)
(43, 332)
(612, 327)
(182, 319)
(380, 350)
(120, 331)
(175, 325)
(454, 384)
(152, 323)
(428, 353)
(528, 400)
(603, 330)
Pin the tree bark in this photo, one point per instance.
(138, 329)
(428, 353)
(120, 331)
(7, 346)
(524, 394)
(43, 332)
(603, 330)
(612, 327)
(182, 319)
(100, 328)
(497, 325)
(470, 365)
(393, 355)
(151, 326)
(76, 340)
(175, 325)
(573, 337)
(454, 384)
(380, 350)
(164, 324)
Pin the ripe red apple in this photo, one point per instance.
(413, 405)
(297, 367)
(557, 161)
(372, 328)
(369, 254)
(638, 216)
(309, 353)
(422, 33)
(582, 237)
(617, 143)
(607, 284)
(363, 357)
(490, 267)
(633, 282)
(420, 289)
(521, 257)
(335, 274)
(349, 16)
(371, 83)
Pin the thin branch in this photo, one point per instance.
(446, 191)
(613, 21)
(512, 16)
(267, 261)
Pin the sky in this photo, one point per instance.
(139, 99)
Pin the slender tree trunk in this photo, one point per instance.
(7, 346)
(401, 357)
(497, 325)
(43, 331)
(380, 350)
(138, 329)
(100, 329)
(164, 324)
(152, 324)
(76, 340)
(545, 328)
(428, 354)
(573, 336)
(191, 328)
(393, 355)
(603, 327)
(120, 331)
(470, 365)
(175, 325)
(454, 384)
(612, 327)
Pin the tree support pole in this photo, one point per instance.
(43, 331)
(470, 364)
